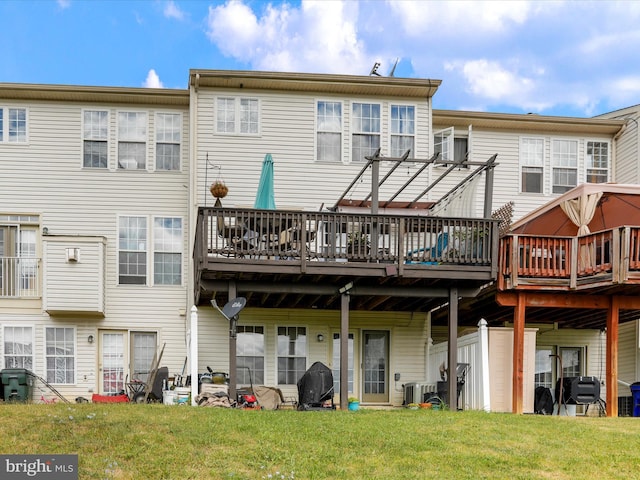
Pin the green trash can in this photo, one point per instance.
(17, 384)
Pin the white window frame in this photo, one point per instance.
(360, 130)
(257, 377)
(6, 122)
(124, 248)
(95, 133)
(168, 126)
(165, 242)
(28, 358)
(133, 133)
(565, 163)
(289, 356)
(239, 123)
(589, 161)
(404, 130)
(447, 138)
(326, 124)
(529, 160)
(51, 373)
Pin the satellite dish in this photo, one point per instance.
(233, 307)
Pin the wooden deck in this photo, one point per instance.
(281, 251)
(600, 259)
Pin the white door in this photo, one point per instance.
(113, 362)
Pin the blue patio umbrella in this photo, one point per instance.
(265, 197)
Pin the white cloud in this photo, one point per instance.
(64, 4)
(319, 36)
(171, 10)
(152, 81)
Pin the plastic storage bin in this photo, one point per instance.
(17, 384)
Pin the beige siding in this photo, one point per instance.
(288, 133)
(407, 342)
(45, 177)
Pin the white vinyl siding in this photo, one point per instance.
(531, 165)
(403, 129)
(60, 352)
(329, 131)
(95, 139)
(366, 128)
(132, 140)
(564, 164)
(236, 115)
(168, 135)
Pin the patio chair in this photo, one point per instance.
(232, 235)
(291, 240)
(430, 255)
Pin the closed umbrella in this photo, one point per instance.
(265, 197)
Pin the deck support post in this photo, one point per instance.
(344, 352)
(233, 373)
(452, 376)
(193, 353)
(612, 357)
(517, 393)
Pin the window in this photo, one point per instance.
(402, 129)
(168, 132)
(167, 251)
(143, 351)
(564, 158)
(18, 347)
(95, 136)
(366, 130)
(13, 125)
(18, 261)
(132, 255)
(60, 355)
(571, 361)
(531, 164)
(132, 140)
(329, 131)
(335, 358)
(597, 162)
(250, 355)
(292, 354)
(450, 147)
(544, 372)
(237, 115)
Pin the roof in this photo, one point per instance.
(619, 205)
(527, 122)
(315, 82)
(81, 93)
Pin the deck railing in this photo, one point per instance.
(607, 256)
(286, 236)
(19, 277)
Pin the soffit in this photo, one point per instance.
(527, 122)
(87, 94)
(317, 83)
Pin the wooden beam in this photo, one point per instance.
(611, 374)
(517, 393)
(558, 300)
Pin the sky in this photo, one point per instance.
(566, 58)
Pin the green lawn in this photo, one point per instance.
(121, 441)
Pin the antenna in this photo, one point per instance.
(394, 67)
(374, 70)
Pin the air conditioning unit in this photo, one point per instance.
(415, 392)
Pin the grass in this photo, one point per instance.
(120, 441)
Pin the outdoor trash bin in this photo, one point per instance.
(17, 384)
(635, 393)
